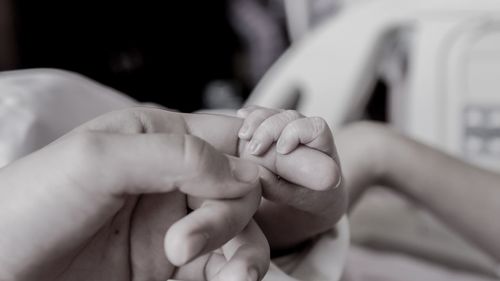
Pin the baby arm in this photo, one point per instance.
(465, 197)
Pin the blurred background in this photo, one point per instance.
(167, 54)
(428, 68)
(184, 55)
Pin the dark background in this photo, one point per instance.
(162, 51)
(165, 52)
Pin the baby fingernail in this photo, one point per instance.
(254, 147)
(339, 181)
(253, 275)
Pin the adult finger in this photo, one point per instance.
(209, 227)
(244, 257)
(248, 256)
(152, 163)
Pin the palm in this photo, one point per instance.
(130, 245)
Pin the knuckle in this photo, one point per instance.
(87, 148)
(128, 121)
(139, 121)
(292, 129)
(197, 155)
(319, 125)
(88, 143)
(292, 114)
(259, 114)
(266, 129)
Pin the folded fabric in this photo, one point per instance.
(37, 106)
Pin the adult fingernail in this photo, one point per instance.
(245, 171)
(241, 112)
(243, 133)
(254, 147)
(195, 245)
(253, 275)
(338, 183)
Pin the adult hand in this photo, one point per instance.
(96, 204)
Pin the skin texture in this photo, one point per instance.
(295, 208)
(90, 209)
(463, 196)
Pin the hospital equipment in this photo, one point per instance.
(446, 93)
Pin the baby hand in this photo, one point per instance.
(289, 129)
(303, 195)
